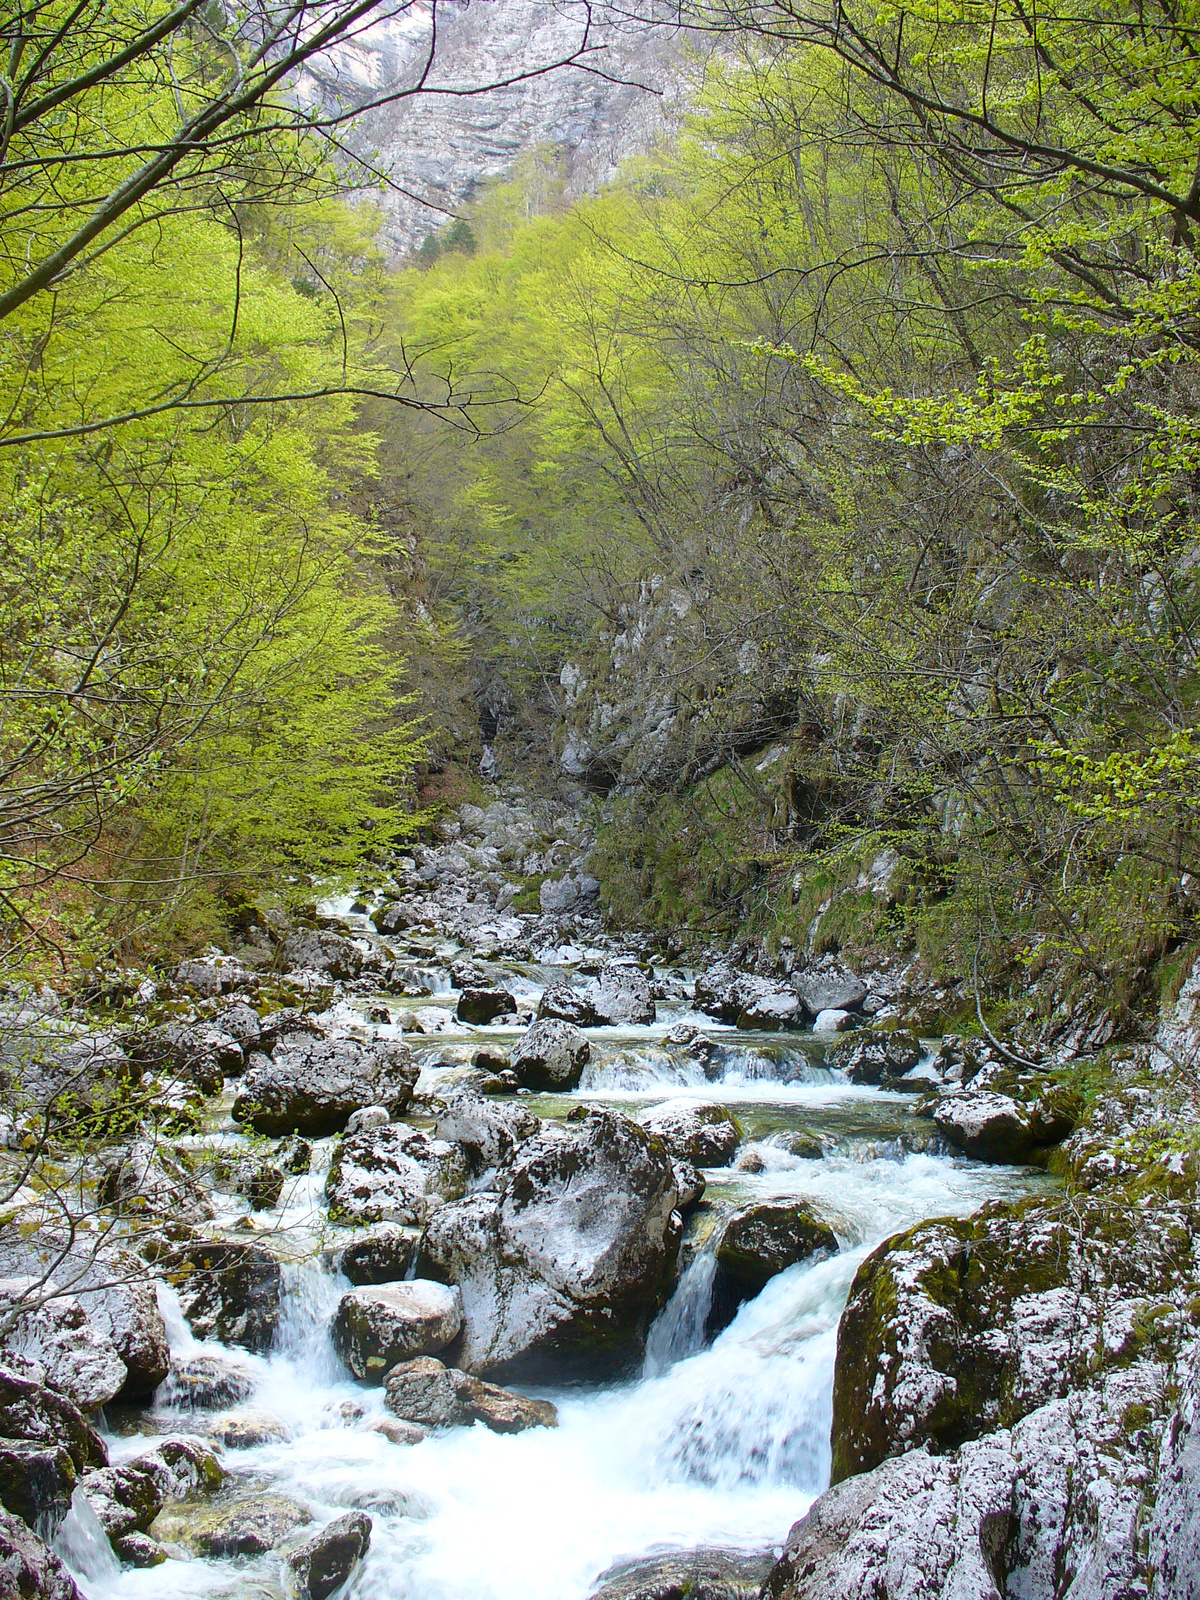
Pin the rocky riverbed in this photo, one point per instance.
(444, 1248)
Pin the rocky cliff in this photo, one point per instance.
(436, 149)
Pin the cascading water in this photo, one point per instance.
(724, 1445)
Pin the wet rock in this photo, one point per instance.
(488, 1133)
(210, 1381)
(994, 1127)
(622, 997)
(829, 987)
(260, 1183)
(31, 1412)
(393, 1174)
(247, 1527)
(481, 1006)
(288, 1026)
(383, 1256)
(687, 1575)
(774, 1011)
(766, 1238)
(689, 1183)
(366, 1119)
(551, 1056)
(873, 1056)
(375, 1328)
(245, 1430)
(834, 1021)
(397, 1432)
(53, 1329)
(802, 1142)
(427, 1393)
(313, 1086)
(229, 1292)
(294, 1156)
(147, 1181)
(127, 1498)
(567, 1262)
(724, 993)
(566, 1004)
(490, 1058)
(325, 1562)
(28, 1570)
(704, 1135)
(36, 1483)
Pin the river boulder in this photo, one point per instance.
(774, 1011)
(393, 1174)
(481, 1006)
(227, 1291)
(487, 1132)
(313, 1085)
(621, 997)
(702, 1135)
(766, 1238)
(36, 1483)
(210, 1380)
(376, 1328)
(427, 1393)
(249, 1526)
(30, 1570)
(382, 1256)
(872, 1056)
(53, 1329)
(991, 1126)
(829, 986)
(568, 1005)
(687, 1575)
(567, 1261)
(30, 1411)
(551, 1056)
(326, 1561)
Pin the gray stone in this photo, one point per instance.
(383, 1256)
(567, 1262)
(28, 1570)
(687, 1575)
(393, 1174)
(36, 1483)
(568, 1005)
(488, 1133)
(322, 1564)
(211, 975)
(31, 1412)
(829, 987)
(834, 1020)
(769, 1236)
(53, 1329)
(622, 996)
(774, 1011)
(249, 1526)
(229, 1292)
(210, 1381)
(431, 1395)
(481, 1006)
(313, 1086)
(551, 1056)
(704, 1135)
(376, 1328)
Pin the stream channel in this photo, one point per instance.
(719, 1444)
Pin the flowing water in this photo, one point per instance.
(718, 1444)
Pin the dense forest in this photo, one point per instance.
(600, 807)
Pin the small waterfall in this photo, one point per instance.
(678, 1330)
(310, 1298)
(81, 1544)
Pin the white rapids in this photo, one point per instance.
(718, 1445)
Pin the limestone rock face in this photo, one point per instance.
(566, 1262)
(393, 1174)
(376, 1328)
(313, 1085)
(428, 1394)
(551, 1056)
(702, 1135)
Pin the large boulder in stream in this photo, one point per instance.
(393, 1173)
(376, 1328)
(427, 1393)
(36, 1483)
(481, 1006)
(829, 987)
(702, 1135)
(487, 1131)
(566, 1262)
(872, 1056)
(551, 1056)
(30, 1411)
(621, 997)
(322, 1564)
(53, 1329)
(227, 1291)
(28, 1570)
(313, 1085)
(995, 1127)
(566, 1004)
(764, 1239)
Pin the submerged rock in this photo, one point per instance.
(393, 1174)
(568, 1260)
(551, 1056)
(431, 1395)
(249, 1526)
(703, 1135)
(687, 1575)
(325, 1562)
(313, 1086)
(375, 1328)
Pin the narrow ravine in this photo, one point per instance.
(718, 1443)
